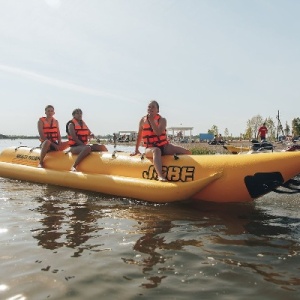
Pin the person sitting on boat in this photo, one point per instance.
(220, 139)
(49, 132)
(262, 132)
(152, 130)
(78, 136)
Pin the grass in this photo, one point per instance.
(202, 151)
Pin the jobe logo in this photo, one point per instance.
(173, 173)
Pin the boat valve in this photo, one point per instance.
(34, 148)
(265, 187)
(176, 156)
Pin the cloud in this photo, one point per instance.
(62, 84)
(53, 3)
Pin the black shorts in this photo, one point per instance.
(162, 148)
(81, 145)
(51, 146)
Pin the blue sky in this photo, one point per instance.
(207, 62)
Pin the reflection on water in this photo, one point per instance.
(82, 245)
(233, 237)
(52, 225)
(292, 186)
(70, 224)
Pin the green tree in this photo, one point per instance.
(252, 127)
(271, 128)
(214, 130)
(226, 133)
(248, 134)
(296, 127)
(287, 129)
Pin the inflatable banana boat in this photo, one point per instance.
(236, 149)
(217, 178)
(256, 147)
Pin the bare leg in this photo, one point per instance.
(96, 147)
(82, 151)
(63, 146)
(156, 154)
(171, 149)
(44, 149)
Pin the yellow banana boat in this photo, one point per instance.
(236, 149)
(217, 178)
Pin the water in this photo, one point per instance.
(58, 243)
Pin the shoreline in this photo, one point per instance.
(204, 146)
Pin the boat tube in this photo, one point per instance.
(216, 178)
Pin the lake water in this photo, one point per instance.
(58, 243)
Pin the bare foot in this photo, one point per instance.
(162, 179)
(40, 165)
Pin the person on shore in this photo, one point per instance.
(78, 136)
(49, 133)
(262, 132)
(115, 140)
(152, 130)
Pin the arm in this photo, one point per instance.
(139, 137)
(160, 128)
(41, 130)
(58, 134)
(73, 134)
(91, 135)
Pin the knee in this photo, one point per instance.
(46, 144)
(87, 149)
(156, 152)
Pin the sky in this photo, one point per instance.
(206, 62)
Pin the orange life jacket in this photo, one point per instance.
(82, 132)
(50, 130)
(150, 139)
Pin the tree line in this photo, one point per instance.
(275, 129)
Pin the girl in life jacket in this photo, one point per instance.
(78, 136)
(49, 132)
(153, 132)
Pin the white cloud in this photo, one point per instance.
(53, 3)
(62, 84)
